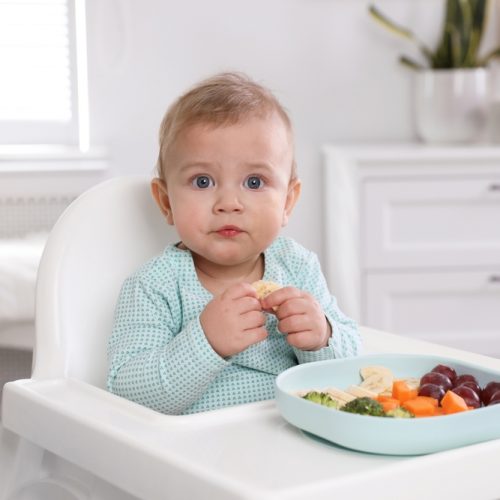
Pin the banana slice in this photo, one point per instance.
(264, 288)
(361, 392)
(377, 383)
(368, 371)
(412, 382)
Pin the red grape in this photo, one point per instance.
(475, 387)
(489, 389)
(495, 399)
(432, 390)
(438, 379)
(446, 370)
(469, 396)
(466, 377)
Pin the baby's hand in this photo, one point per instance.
(300, 316)
(234, 320)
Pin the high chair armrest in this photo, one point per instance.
(135, 448)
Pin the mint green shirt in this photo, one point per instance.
(159, 356)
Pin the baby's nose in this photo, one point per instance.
(228, 201)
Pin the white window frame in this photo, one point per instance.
(74, 133)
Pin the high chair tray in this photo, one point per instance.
(396, 436)
(246, 452)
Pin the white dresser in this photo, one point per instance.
(412, 237)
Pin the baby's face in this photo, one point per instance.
(229, 188)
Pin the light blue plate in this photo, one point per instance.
(382, 435)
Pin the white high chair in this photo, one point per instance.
(99, 240)
(64, 437)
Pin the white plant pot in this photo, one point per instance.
(451, 105)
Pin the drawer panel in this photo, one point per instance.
(461, 310)
(422, 223)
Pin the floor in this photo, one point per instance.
(14, 364)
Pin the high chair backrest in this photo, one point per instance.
(101, 238)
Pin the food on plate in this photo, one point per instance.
(264, 288)
(432, 390)
(495, 399)
(369, 371)
(453, 403)
(388, 403)
(465, 377)
(399, 412)
(489, 390)
(446, 370)
(377, 379)
(437, 379)
(412, 382)
(473, 385)
(420, 406)
(364, 406)
(439, 392)
(402, 391)
(361, 392)
(377, 383)
(340, 395)
(322, 398)
(470, 397)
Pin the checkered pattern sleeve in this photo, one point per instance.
(345, 340)
(152, 364)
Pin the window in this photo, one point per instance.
(43, 83)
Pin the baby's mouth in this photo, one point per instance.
(229, 231)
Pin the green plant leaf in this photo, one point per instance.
(491, 55)
(399, 30)
(463, 27)
(410, 63)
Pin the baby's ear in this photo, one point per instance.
(291, 198)
(160, 194)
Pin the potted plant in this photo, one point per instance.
(451, 84)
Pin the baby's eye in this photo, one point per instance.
(254, 182)
(202, 181)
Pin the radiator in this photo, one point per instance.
(23, 215)
(24, 220)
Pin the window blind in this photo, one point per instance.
(35, 61)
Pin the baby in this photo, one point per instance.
(191, 333)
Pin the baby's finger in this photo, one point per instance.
(294, 324)
(239, 290)
(252, 319)
(300, 340)
(255, 335)
(245, 304)
(296, 305)
(276, 298)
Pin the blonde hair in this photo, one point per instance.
(223, 99)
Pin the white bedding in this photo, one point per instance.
(19, 259)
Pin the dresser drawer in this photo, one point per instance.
(426, 223)
(461, 310)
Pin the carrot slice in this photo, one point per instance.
(453, 403)
(390, 404)
(420, 407)
(402, 391)
(381, 398)
(433, 401)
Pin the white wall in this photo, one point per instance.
(329, 63)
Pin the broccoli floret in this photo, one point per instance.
(364, 406)
(313, 396)
(321, 398)
(330, 402)
(399, 413)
